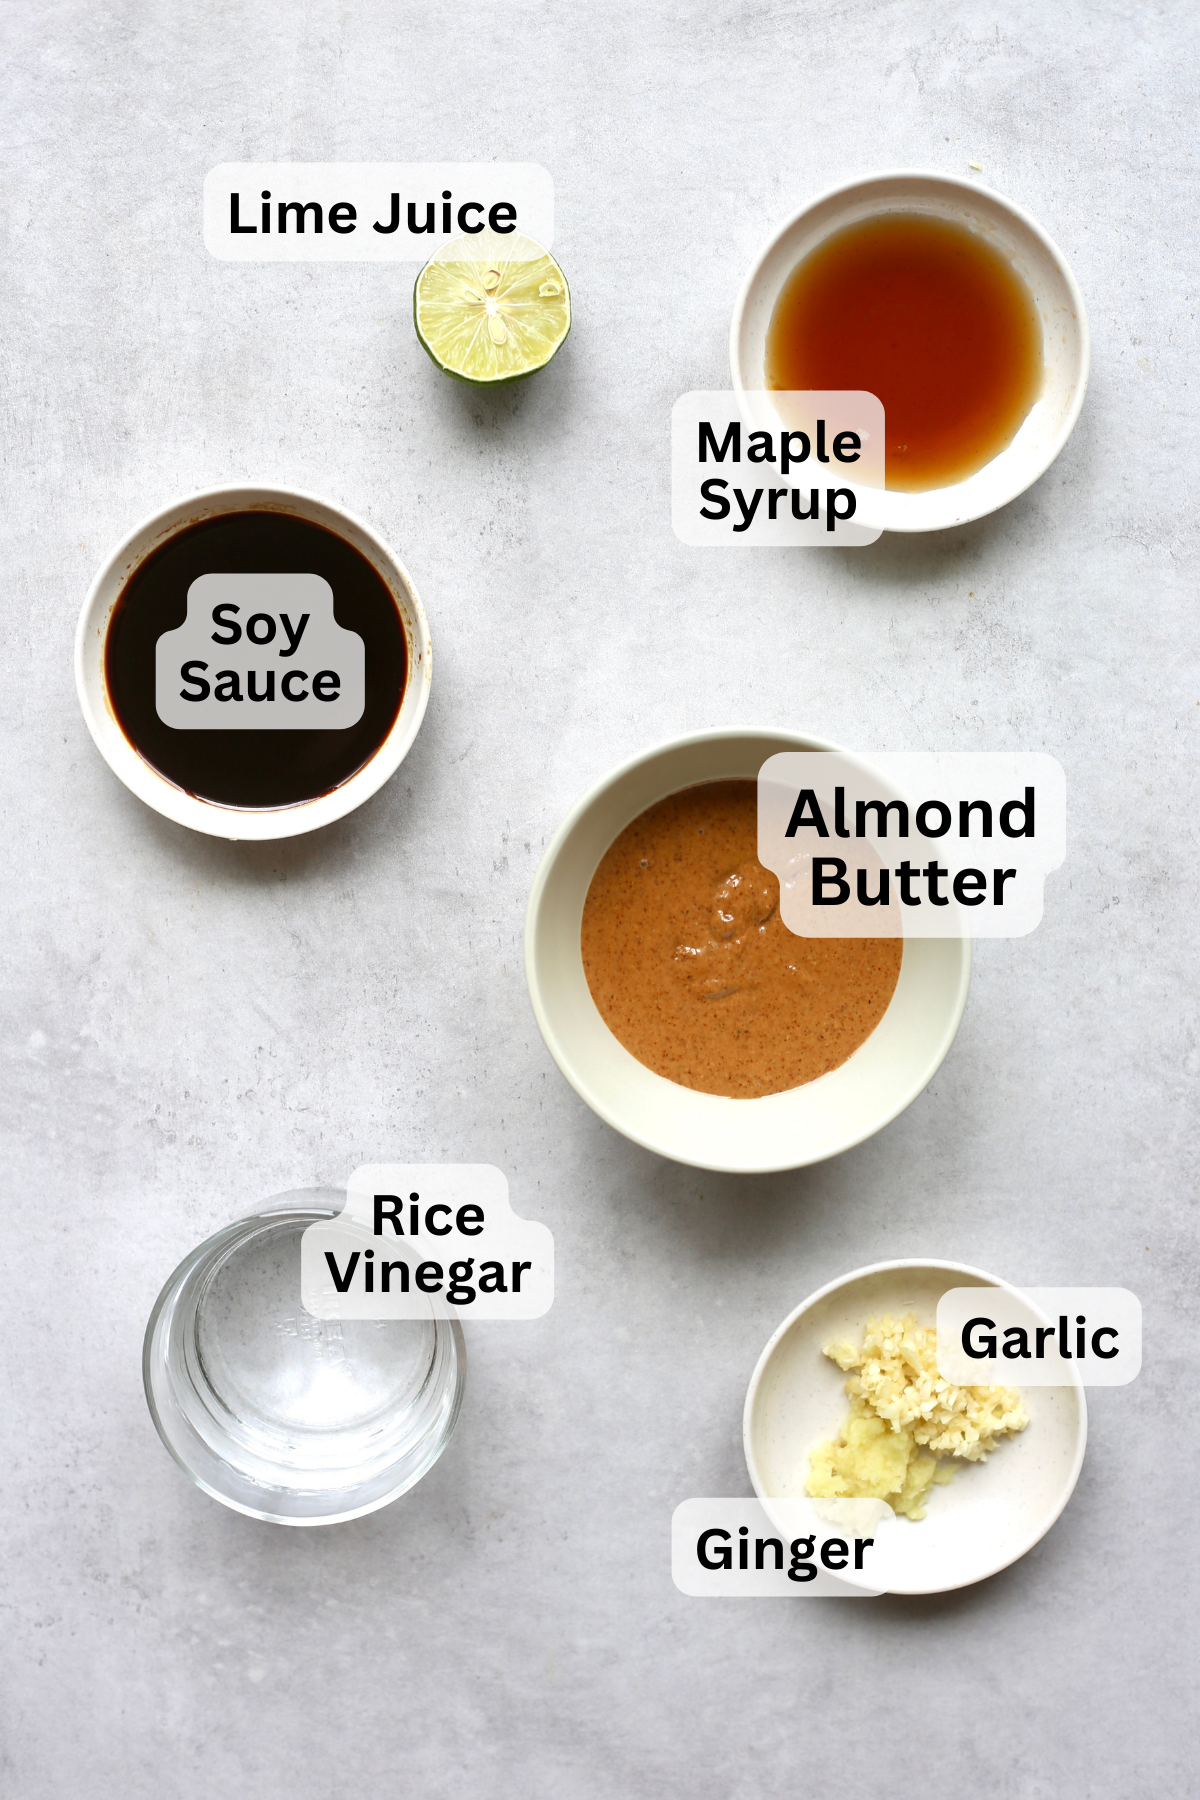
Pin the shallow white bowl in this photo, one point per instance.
(992, 1512)
(709, 1131)
(145, 781)
(1035, 258)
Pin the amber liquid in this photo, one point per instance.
(930, 318)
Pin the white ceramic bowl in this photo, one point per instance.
(144, 780)
(709, 1131)
(992, 1512)
(1035, 258)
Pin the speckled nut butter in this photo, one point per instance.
(693, 969)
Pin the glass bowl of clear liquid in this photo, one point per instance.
(280, 1415)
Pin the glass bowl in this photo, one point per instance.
(280, 1415)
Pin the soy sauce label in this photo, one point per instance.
(259, 653)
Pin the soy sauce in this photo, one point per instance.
(260, 770)
(931, 318)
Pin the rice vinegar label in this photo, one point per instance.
(427, 1240)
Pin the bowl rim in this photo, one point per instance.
(882, 1268)
(979, 192)
(140, 776)
(312, 1205)
(591, 1098)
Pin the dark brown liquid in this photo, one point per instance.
(253, 769)
(930, 318)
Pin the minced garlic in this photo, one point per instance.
(903, 1417)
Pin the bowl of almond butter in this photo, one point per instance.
(681, 1008)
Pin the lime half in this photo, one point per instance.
(490, 308)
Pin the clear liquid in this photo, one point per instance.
(301, 1390)
(283, 1415)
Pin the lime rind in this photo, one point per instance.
(487, 316)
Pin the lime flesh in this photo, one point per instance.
(491, 308)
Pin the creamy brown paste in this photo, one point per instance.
(693, 969)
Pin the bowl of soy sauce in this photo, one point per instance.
(253, 662)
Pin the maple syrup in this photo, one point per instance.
(932, 319)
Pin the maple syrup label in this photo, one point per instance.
(775, 469)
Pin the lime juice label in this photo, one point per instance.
(369, 212)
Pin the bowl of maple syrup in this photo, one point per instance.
(949, 303)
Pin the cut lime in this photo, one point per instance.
(490, 308)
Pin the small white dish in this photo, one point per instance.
(1035, 258)
(146, 781)
(992, 1512)
(709, 1131)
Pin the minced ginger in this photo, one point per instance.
(903, 1418)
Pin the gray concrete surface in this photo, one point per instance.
(192, 1025)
